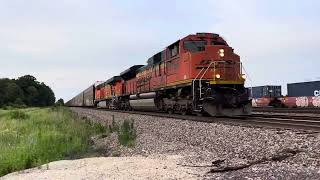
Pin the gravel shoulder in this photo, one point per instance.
(195, 150)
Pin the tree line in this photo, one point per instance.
(25, 91)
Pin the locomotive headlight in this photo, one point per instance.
(243, 76)
(218, 76)
(221, 52)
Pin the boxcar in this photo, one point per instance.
(89, 96)
(266, 91)
(78, 100)
(304, 89)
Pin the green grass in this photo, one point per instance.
(34, 136)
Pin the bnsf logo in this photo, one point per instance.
(317, 93)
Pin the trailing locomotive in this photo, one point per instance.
(197, 74)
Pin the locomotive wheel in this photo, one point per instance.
(170, 111)
(184, 112)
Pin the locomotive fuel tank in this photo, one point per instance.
(144, 101)
(102, 104)
(149, 95)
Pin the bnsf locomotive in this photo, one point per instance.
(198, 74)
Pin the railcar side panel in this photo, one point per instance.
(89, 96)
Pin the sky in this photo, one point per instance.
(70, 44)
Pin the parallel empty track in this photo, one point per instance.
(287, 121)
(260, 120)
(288, 110)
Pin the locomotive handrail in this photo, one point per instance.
(194, 82)
(200, 85)
(205, 72)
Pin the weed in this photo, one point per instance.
(116, 153)
(28, 162)
(127, 134)
(18, 114)
(114, 127)
(126, 131)
(99, 128)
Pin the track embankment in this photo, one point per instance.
(207, 150)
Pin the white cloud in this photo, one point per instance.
(255, 35)
(35, 40)
(72, 43)
(276, 47)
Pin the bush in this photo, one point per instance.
(18, 114)
(114, 127)
(125, 130)
(19, 103)
(127, 134)
(99, 128)
(60, 102)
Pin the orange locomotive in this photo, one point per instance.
(197, 74)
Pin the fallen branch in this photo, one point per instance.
(280, 156)
(214, 163)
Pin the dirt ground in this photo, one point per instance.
(110, 168)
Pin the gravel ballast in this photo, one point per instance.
(220, 151)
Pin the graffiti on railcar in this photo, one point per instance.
(316, 101)
(302, 101)
(254, 103)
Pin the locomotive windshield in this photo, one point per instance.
(195, 46)
(218, 43)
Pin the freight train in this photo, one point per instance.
(304, 94)
(198, 74)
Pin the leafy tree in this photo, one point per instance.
(3, 85)
(51, 99)
(32, 95)
(25, 90)
(60, 102)
(25, 81)
(13, 92)
(19, 102)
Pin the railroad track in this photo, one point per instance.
(287, 121)
(288, 110)
(257, 120)
(286, 116)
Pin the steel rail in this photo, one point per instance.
(287, 110)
